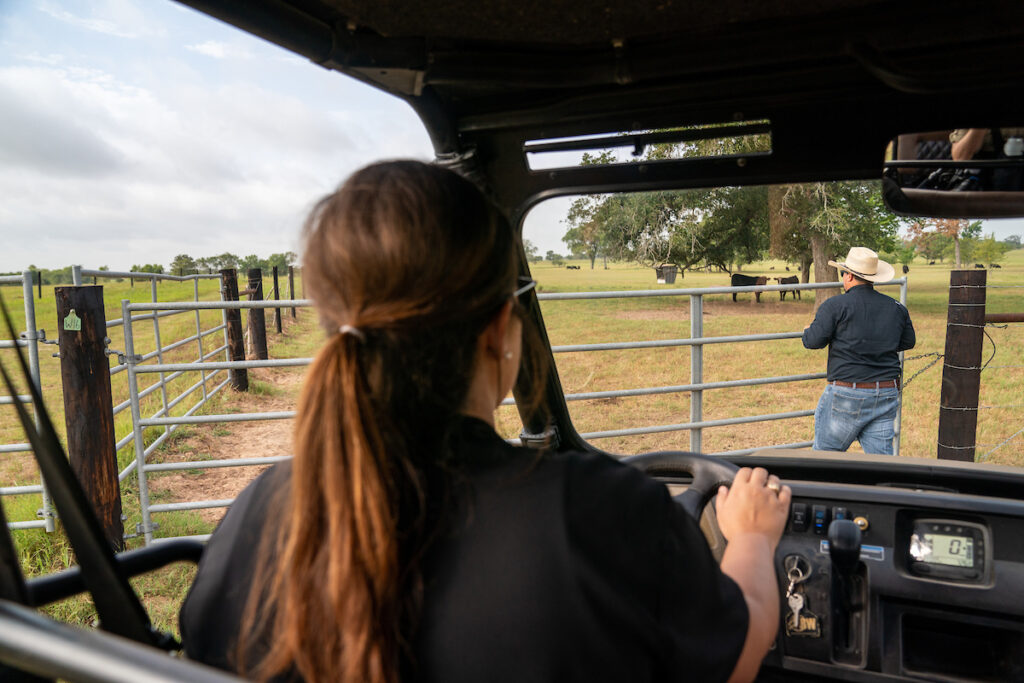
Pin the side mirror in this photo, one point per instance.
(963, 173)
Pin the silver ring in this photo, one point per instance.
(774, 486)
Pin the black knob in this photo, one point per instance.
(844, 545)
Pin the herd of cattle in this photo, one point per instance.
(740, 280)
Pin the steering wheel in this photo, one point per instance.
(707, 471)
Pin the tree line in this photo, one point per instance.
(182, 264)
(54, 276)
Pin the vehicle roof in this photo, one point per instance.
(471, 66)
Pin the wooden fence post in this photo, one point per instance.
(291, 286)
(961, 370)
(277, 297)
(257, 316)
(236, 344)
(88, 406)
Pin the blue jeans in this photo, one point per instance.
(845, 414)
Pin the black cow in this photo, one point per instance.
(979, 265)
(740, 280)
(994, 265)
(572, 267)
(791, 280)
(931, 263)
(906, 269)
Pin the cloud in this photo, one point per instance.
(97, 25)
(36, 137)
(115, 152)
(219, 50)
(49, 60)
(95, 170)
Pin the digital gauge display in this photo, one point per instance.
(952, 551)
(948, 550)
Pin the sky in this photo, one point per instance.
(135, 130)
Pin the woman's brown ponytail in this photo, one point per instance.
(415, 262)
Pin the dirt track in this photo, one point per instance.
(228, 441)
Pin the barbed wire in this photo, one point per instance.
(994, 446)
(936, 357)
(968, 408)
(986, 286)
(1002, 326)
(990, 339)
(1001, 444)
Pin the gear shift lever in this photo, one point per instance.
(847, 589)
(844, 546)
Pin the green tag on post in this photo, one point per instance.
(72, 322)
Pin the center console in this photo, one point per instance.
(903, 584)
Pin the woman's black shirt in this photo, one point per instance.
(568, 567)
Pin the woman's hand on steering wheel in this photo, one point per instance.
(755, 503)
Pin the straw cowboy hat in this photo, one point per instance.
(865, 264)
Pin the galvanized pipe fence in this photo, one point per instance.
(29, 340)
(167, 403)
(696, 424)
(206, 368)
(697, 386)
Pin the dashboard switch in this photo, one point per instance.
(861, 522)
(798, 517)
(819, 517)
(840, 513)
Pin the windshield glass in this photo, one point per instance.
(635, 381)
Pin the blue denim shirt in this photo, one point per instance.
(864, 331)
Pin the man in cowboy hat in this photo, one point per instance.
(864, 332)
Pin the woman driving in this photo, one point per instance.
(406, 540)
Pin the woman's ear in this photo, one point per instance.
(492, 340)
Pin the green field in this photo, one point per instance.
(573, 322)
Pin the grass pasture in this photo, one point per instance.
(614, 320)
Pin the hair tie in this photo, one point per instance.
(354, 331)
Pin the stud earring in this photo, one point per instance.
(508, 355)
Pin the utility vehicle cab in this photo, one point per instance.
(823, 90)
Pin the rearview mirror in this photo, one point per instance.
(963, 173)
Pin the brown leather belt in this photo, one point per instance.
(885, 384)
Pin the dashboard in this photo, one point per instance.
(926, 580)
(934, 592)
